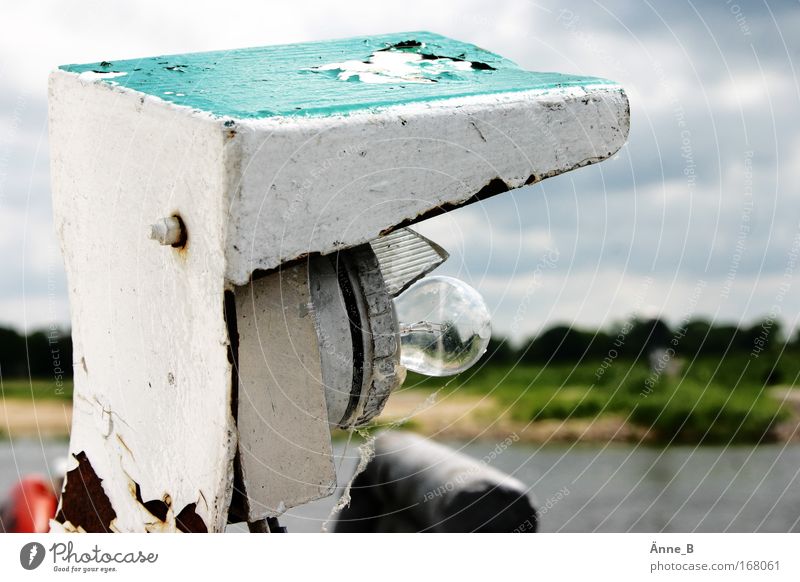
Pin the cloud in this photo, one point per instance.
(704, 190)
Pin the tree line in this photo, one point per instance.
(46, 353)
(41, 354)
(635, 339)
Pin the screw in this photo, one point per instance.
(167, 231)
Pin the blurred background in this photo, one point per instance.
(645, 310)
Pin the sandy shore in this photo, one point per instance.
(452, 416)
(468, 417)
(789, 430)
(40, 418)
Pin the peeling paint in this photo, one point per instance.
(395, 67)
(158, 508)
(418, 47)
(280, 81)
(493, 187)
(186, 521)
(91, 76)
(181, 434)
(84, 503)
(404, 62)
(286, 120)
(519, 136)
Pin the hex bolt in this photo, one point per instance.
(167, 231)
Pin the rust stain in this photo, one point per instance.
(125, 445)
(84, 503)
(183, 244)
(230, 132)
(156, 507)
(188, 521)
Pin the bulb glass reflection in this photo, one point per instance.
(445, 326)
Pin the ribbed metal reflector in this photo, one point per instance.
(406, 256)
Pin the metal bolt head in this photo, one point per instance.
(167, 231)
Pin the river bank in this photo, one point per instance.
(467, 417)
(442, 416)
(44, 418)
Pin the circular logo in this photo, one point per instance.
(31, 555)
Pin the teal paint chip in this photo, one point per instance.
(327, 77)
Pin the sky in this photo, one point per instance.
(696, 216)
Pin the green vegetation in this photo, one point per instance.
(41, 354)
(36, 366)
(697, 383)
(691, 407)
(696, 394)
(36, 389)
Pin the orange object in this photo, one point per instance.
(29, 507)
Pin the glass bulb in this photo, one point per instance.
(445, 326)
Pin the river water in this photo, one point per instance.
(614, 488)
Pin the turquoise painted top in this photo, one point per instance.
(326, 78)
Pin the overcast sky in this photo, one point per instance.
(698, 220)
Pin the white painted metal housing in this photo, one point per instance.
(153, 365)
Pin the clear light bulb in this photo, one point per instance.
(445, 326)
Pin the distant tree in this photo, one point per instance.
(695, 336)
(499, 351)
(794, 341)
(564, 343)
(48, 351)
(36, 355)
(645, 335)
(12, 354)
(763, 336)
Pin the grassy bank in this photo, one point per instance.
(35, 389)
(34, 408)
(720, 384)
(708, 401)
